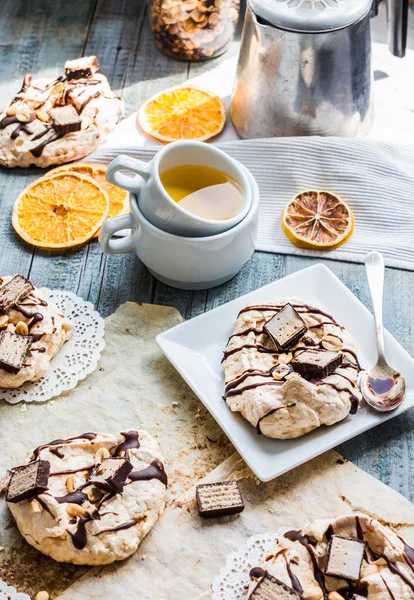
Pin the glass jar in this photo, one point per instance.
(193, 29)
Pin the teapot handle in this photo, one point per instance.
(397, 11)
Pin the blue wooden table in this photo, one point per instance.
(38, 37)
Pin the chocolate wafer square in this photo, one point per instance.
(345, 557)
(28, 480)
(13, 291)
(270, 588)
(285, 328)
(81, 68)
(13, 350)
(316, 364)
(65, 119)
(219, 499)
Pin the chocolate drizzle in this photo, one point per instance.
(56, 452)
(409, 554)
(59, 442)
(131, 441)
(35, 317)
(298, 536)
(80, 538)
(275, 307)
(41, 134)
(76, 497)
(257, 347)
(70, 471)
(394, 569)
(252, 386)
(37, 151)
(293, 579)
(86, 102)
(388, 588)
(43, 505)
(256, 572)
(154, 471)
(126, 525)
(21, 126)
(231, 388)
(360, 533)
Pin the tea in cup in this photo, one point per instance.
(189, 188)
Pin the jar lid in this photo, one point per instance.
(310, 16)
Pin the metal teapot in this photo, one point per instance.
(305, 67)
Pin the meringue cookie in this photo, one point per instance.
(299, 560)
(27, 136)
(50, 328)
(75, 521)
(276, 400)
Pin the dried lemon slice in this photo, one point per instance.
(318, 221)
(118, 198)
(183, 113)
(60, 211)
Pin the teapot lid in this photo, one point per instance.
(310, 16)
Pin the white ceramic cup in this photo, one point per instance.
(191, 263)
(154, 202)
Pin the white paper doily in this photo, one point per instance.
(233, 580)
(75, 360)
(7, 592)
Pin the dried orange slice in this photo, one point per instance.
(183, 113)
(60, 211)
(118, 198)
(318, 221)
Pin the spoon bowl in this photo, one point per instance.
(382, 387)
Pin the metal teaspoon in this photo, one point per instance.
(382, 386)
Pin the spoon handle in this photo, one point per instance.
(374, 266)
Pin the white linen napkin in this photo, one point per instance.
(375, 178)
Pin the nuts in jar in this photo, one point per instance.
(194, 29)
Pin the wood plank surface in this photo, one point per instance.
(38, 37)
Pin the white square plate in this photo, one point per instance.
(195, 348)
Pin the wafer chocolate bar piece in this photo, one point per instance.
(219, 499)
(13, 350)
(111, 474)
(81, 68)
(344, 558)
(13, 291)
(316, 364)
(270, 588)
(65, 119)
(285, 328)
(28, 480)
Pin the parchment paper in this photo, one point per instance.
(183, 554)
(134, 386)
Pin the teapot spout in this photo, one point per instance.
(397, 12)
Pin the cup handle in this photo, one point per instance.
(126, 163)
(111, 226)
